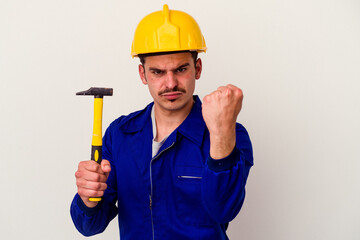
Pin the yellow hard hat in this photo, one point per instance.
(167, 31)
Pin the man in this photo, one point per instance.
(178, 168)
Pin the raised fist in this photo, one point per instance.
(220, 110)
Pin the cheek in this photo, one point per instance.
(154, 87)
(190, 81)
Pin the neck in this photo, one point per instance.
(168, 121)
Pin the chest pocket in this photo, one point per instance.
(189, 174)
(189, 205)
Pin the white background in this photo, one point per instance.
(298, 63)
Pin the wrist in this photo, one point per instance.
(222, 145)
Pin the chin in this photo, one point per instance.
(176, 105)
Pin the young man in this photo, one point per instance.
(178, 168)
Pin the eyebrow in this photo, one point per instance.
(181, 66)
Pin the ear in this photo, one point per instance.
(142, 74)
(198, 68)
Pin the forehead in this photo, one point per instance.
(169, 60)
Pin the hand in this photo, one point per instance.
(91, 180)
(220, 110)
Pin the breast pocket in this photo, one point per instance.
(189, 174)
(189, 206)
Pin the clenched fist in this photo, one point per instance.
(91, 180)
(220, 110)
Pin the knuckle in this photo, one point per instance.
(217, 93)
(92, 193)
(97, 178)
(98, 186)
(79, 182)
(238, 93)
(81, 163)
(103, 187)
(93, 166)
(81, 166)
(100, 193)
(238, 90)
(103, 178)
(206, 99)
(78, 174)
(95, 193)
(83, 192)
(228, 92)
(100, 178)
(84, 163)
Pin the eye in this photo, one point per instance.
(156, 72)
(180, 70)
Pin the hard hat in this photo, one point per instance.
(167, 31)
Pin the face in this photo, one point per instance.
(171, 80)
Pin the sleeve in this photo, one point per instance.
(223, 188)
(91, 221)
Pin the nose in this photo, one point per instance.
(171, 80)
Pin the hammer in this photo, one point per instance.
(96, 144)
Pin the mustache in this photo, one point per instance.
(175, 89)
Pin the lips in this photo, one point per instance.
(172, 95)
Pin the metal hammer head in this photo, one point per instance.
(97, 92)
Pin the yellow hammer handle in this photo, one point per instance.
(96, 144)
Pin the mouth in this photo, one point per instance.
(172, 95)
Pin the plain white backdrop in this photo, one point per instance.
(298, 63)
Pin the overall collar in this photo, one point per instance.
(192, 127)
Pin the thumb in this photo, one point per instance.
(105, 166)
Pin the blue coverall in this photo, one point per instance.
(181, 193)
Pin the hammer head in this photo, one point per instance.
(97, 92)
